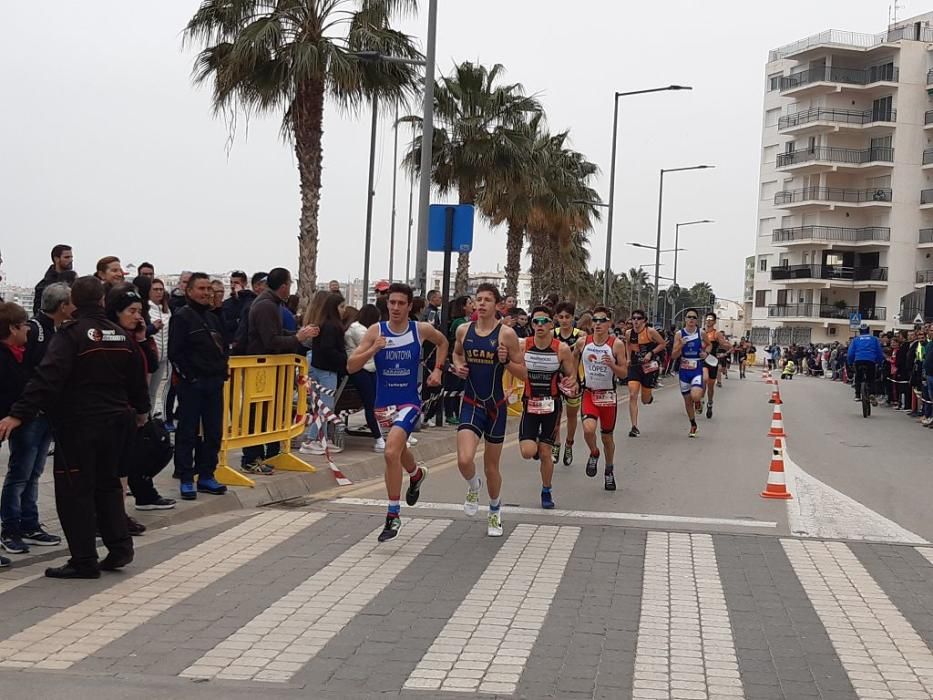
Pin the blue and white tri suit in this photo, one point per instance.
(484, 408)
(398, 402)
(691, 366)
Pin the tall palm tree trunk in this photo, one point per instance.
(307, 125)
(513, 257)
(467, 195)
(541, 283)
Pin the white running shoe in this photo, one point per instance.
(494, 527)
(380, 445)
(311, 448)
(471, 504)
(412, 441)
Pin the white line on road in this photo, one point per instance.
(83, 629)
(879, 649)
(275, 644)
(487, 642)
(685, 645)
(588, 514)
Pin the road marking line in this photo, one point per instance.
(486, 644)
(818, 510)
(685, 641)
(589, 514)
(275, 644)
(878, 647)
(81, 630)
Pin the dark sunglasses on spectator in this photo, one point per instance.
(638, 318)
(600, 319)
(541, 321)
(692, 316)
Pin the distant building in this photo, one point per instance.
(523, 297)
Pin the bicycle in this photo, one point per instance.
(866, 398)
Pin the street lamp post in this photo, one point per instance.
(612, 173)
(677, 239)
(427, 140)
(657, 251)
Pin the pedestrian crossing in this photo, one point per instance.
(442, 609)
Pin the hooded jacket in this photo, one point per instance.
(51, 277)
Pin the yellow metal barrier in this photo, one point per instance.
(259, 407)
(514, 388)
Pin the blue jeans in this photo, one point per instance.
(29, 448)
(365, 383)
(329, 381)
(200, 407)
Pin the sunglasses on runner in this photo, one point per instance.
(601, 319)
(541, 321)
(693, 317)
(638, 318)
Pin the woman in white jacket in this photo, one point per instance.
(160, 315)
(356, 323)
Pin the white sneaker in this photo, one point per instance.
(494, 526)
(311, 448)
(471, 504)
(412, 441)
(380, 445)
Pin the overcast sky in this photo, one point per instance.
(105, 144)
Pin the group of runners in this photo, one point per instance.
(564, 372)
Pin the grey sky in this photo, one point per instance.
(105, 144)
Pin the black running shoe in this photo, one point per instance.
(393, 525)
(634, 432)
(414, 487)
(709, 410)
(568, 453)
(610, 484)
(591, 465)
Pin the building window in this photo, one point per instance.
(761, 298)
(762, 264)
(774, 82)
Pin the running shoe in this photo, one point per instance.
(494, 524)
(555, 454)
(693, 431)
(568, 454)
(414, 487)
(258, 467)
(698, 406)
(634, 432)
(453, 420)
(547, 501)
(610, 484)
(312, 447)
(709, 410)
(393, 525)
(719, 384)
(591, 464)
(5, 562)
(379, 445)
(13, 544)
(41, 538)
(471, 504)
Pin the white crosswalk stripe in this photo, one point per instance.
(879, 649)
(275, 644)
(487, 642)
(83, 629)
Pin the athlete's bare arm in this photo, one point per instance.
(373, 341)
(428, 332)
(511, 355)
(678, 346)
(568, 366)
(660, 344)
(460, 368)
(619, 353)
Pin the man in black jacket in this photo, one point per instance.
(198, 354)
(59, 271)
(55, 309)
(90, 384)
(236, 309)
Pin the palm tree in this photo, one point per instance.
(702, 294)
(478, 136)
(285, 56)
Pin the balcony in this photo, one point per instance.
(930, 77)
(830, 274)
(924, 277)
(823, 157)
(838, 40)
(926, 199)
(829, 235)
(829, 312)
(818, 119)
(927, 161)
(925, 239)
(928, 119)
(831, 197)
(832, 78)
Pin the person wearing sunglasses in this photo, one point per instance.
(546, 359)
(603, 361)
(645, 346)
(690, 345)
(567, 334)
(719, 346)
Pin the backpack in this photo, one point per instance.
(153, 447)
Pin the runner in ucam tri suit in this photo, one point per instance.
(546, 357)
(645, 346)
(395, 346)
(567, 334)
(690, 346)
(603, 360)
(719, 346)
(483, 351)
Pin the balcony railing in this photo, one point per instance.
(925, 277)
(928, 117)
(853, 156)
(833, 194)
(832, 234)
(838, 116)
(926, 196)
(930, 77)
(926, 235)
(829, 272)
(835, 74)
(928, 156)
(875, 313)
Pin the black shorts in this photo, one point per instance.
(637, 374)
(539, 427)
(713, 371)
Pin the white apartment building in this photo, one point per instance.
(523, 298)
(845, 218)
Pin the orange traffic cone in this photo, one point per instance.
(777, 483)
(776, 395)
(777, 423)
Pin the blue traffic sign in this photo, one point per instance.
(462, 238)
(855, 320)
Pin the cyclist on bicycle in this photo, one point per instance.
(866, 354)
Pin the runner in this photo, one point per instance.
(690, 346)
(644, 346)
(395, 345)
(483, 351)
(566, 333)
(741, 354)
(603, 361)
(719, 346)
(545, 358)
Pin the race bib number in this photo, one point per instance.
(688, 364)
(650, 367)
(541, 405)
(604, 398)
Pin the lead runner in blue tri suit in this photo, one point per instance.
(691, 346)
(395, 346)
(483, 351)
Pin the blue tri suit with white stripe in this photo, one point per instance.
(483, 409)
(397, 370)
(691, 366)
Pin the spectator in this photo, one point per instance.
(381, 289)
(233, 305)
(585, 323)
(333, 287)
(520, 323)
(356, 323)
(417, 309)
(198, 354)
(160, 316)
(56, 308)
(245, 299)
(146, 269)
(290, 313)
(267, 336)
(109, 271)
(177, 298)
(326, 362)
(432, 314)
(61, 270)
(90, 384)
